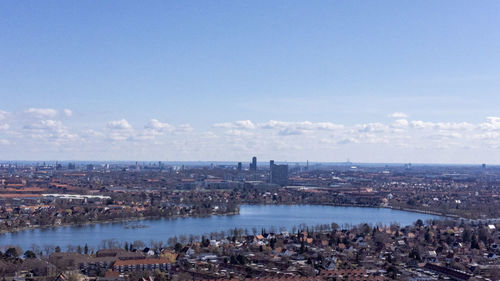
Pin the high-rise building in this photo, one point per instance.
(239, 166)
(253, 165)
(278, 174)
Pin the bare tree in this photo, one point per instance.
(272, 229)
(36, 249)
(49, 249)
(137, 244)
(182, 238)
(172, 241)
(70, 248)
(156, 244)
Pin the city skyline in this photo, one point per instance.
(249, 140)
(216, 81)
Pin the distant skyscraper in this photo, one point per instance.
(239, 166)
(278, 173)
(253, 165)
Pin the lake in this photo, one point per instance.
(258, 216)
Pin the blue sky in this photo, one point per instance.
(192, 66)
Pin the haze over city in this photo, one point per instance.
(391, 81)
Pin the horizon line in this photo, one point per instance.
(264, 161)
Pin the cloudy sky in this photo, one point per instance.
(369, 81)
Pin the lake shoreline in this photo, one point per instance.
(251, 216)
(452, 216)
(124, 220)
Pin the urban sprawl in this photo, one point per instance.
(462, 245)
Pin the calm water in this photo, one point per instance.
(250, 216)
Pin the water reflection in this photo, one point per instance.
(251, 216)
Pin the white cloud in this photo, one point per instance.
(401, 123)
(52, 125)
(3, 114)
(399, 138)
(372, 127)
(291, 132)
(158, 126)
(242, 124)
(328, 126)
(92, 133)
(52, 131)
(238, 133)
(492, 123)
(153, 129)
(299, 128)
(42, 112)
(454, 126)
(442, 125)
(399, 115)
(421, 124)
(119, 125)
(443, 135)
(184, 128)
(348, 141)
(68, 112)
(209, 135)
(120, 130)
(273, 124)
